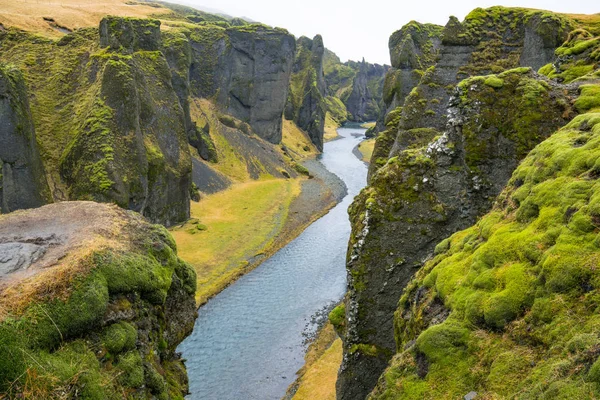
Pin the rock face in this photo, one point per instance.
(446, 152)
(109, 122)
(95, 308)
(358, 84)
(247, 68)
(411, 204)
(306, 100)
(507, 303)
(22, 179)
(133, 148)
(365, 101)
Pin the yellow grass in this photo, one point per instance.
(297, 141)
(72, 14)
(368, 125)
(331, 126)
(366, 149)
(240, 222)
(319, 380)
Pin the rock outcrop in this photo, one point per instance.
(306, 100)
(247, 69)
(22, 178)
(448, 150)
(358, 84)
(95, 307)
(507, 307)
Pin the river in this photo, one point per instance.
(250, 339)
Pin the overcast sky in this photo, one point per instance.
(356, 29)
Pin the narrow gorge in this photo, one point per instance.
(202, 206)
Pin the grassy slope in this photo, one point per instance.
(319, 380)
(316, 379)
(242, 221)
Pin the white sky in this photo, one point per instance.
(354, 29)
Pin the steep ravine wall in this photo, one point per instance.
(448, 151)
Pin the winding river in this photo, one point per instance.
(249, 341)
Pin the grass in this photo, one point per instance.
(237, 224)
(297, 141)
(366, 149)
(318, 375)
(368, 125)
(71, 14)
(331, 126)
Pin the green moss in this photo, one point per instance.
(119, 337)
(337, 317)
(494, 81)
(589, 98)
(130, 369)
(301, 169)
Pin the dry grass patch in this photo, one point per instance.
(71, 14)
(319, 380)
(297, 141)
(366, 149)
(229, 228)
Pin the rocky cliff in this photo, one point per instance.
(449, 149)
(306, 100)
(507, 307)
(247, 69)
(358, 84)
(108, 121)
(22, 179)
(94, 302)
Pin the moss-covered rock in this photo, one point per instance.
(108, 120)
(522, 291)
(306, 104)
(22, 178)
(101, 309)
(434, 184)
(246, 69)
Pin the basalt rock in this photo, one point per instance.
(132, 148)
(109, 122)
(22, 178)
(487, 41)
(247, 69)
(306, 100)
(359, 85)
(434, 185)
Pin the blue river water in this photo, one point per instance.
(249, 340)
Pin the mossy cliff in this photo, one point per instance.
(508, 308)
(94, 302)
(306, 104)
(246, 69)
(108, 121)
(413, 49)
(359, 85)
(22, 179)
(487, 41)
(446, 154)
(434, 186)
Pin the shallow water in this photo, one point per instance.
(249, 341)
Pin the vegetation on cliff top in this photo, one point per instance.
(57, 337)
